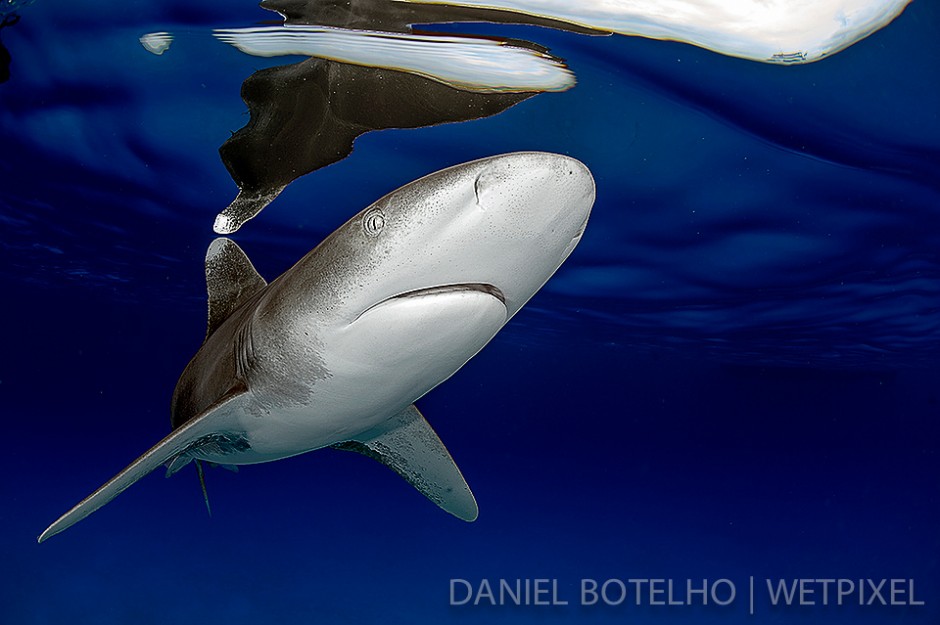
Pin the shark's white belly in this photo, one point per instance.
(377, 366)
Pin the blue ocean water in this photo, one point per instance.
(733, 376)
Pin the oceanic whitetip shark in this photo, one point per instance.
(336, 350)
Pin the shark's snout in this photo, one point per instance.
(536, 181)
(577, 178)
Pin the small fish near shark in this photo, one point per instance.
(335, 351)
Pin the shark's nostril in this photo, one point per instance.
(486, 186)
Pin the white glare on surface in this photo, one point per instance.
(157, 43)
(773, 31)
(467, 63)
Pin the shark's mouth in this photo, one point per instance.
(479, 287)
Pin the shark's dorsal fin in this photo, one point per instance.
(408, 445)
(230, 279)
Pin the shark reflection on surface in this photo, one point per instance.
(379, 36)
(307, 115)
(469, 63)
(771, 31)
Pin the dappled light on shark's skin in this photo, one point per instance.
(772, 31)
(336, 350)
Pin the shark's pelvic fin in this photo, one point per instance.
(178, 442)
(408, 445)
(231, 279)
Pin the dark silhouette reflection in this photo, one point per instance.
(392, 16)
(306, 116)
(8, 20)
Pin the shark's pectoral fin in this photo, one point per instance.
(230, 279)
(163, 451)
(178, 443)
(409, 446)
(425, 336)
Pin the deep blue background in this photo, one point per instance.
(735, 374)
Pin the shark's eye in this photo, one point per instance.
(373, 221)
